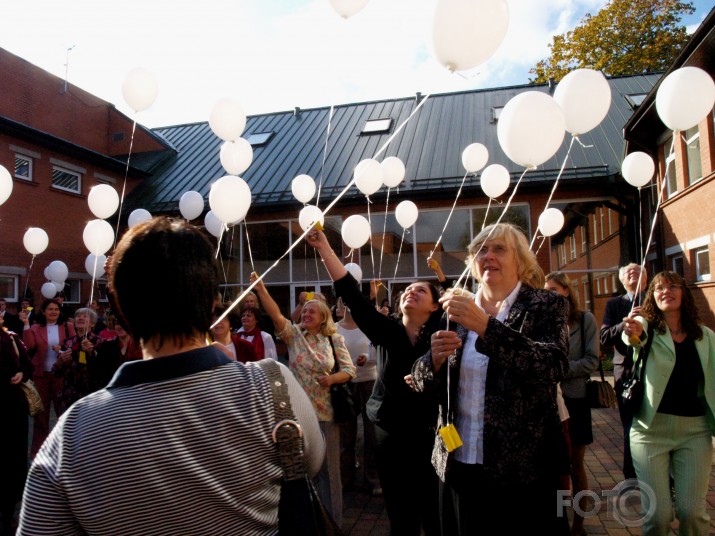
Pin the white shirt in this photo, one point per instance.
(472, 389)
(53, 338)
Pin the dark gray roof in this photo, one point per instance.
(430, 145)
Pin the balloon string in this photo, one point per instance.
(248, 244)
(384, 233)
(325, 157)
(27, 280)
(486, 214)
(327, 209)
(94, 275)
(399, 253)
(543, 239)
(369, 222)
(640, 221)
(124, 185)
(655, 219)
(553, 189)
(449, 216)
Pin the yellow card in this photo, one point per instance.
(450, 436)
(82, 357)
(309, 295)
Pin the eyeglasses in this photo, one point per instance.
(498, 250)
(670, 288)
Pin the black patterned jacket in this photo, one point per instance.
(523, 436)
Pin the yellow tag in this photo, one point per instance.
(82, 357)
(317, 226)
(30, 308)
(450, 436)
(633, 340)
(309, 296)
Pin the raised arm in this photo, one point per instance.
(332, 262)
(269, 304)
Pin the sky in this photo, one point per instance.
(271, 55)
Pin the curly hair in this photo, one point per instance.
(689, 314)
(327, 326)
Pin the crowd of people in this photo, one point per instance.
(165, 421)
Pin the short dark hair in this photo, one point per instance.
(173, 262)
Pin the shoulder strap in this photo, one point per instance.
(287, 433)
(643, 355)
(336, 368)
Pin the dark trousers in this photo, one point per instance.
(409, 482)
(49, 387)
(626, 421)
(471, 502)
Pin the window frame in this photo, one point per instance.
(30, 165)
(694, 139)
(61, 169)
(697, 258)
(669, 159)
(13, 281)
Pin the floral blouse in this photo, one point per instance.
(310, 356)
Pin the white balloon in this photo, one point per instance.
(5, 184)
(191, 205)
(393, 171)
(230, 199)
(303, 188)
(474, 157)
(57, 271)
(213, 224)
(685, 97)
(355, 271)
(551, 221)
(495, 180)
(406, 214)
(236, 156)
(308, 215)
(139, 89)
(46, 272)
(35, 240)
(227, 120)
(348, 8)
(368, 176)
(139, 215)
(58, 285)
(355, 231)
(638, 168)
(94, 264)
(48, 290)
(531, 128)
(466, 33)
(98, 236)
(103, 201)
(585, 97)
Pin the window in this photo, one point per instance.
(702, 264)
(584, 243)
(72, 291)
(601, 221)
(23, 167)
(496, 113)
(676, 264)
(598, 286)
(573, 246)
(595, 229)
(562, 253)
(695, 165)
(259, 138)
(8, 287)
(614, 282)
(670, 175)
(635, 99)
(586, 293)
(64, 179)
(376, 126)
(610, 222)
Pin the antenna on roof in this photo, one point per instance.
(67, 66)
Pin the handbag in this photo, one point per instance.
(634, 386)
(342, 396)
(600, 394)
(300, 512)
(34, 402)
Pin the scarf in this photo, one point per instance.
(257, 341)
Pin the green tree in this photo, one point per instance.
(625, 37)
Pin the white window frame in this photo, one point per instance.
(671, 174)
(595, 230)
(562, 254)
(573, 245)
(598, 286)
(60, 169)
(702, 256)
(610, 221)
(584, 243)
(13, 283)
(676, 260)
(601, 216)
(586, 293)
(29, 161)
(694, 139)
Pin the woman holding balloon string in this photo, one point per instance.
(404, 420)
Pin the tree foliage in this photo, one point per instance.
(625, 37)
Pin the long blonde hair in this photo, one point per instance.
(327, 326)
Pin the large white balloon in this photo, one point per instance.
(139, 89)
(35, 240)
(98, 236)
(638, 168)
(355, 271)
(191, 205)
(685, 97)
(59, 285)
(406, 214)
(303, 188)
(103, 201)
(213, 224)
(236, 156)
(348, 8)
(48, 290)
(230, 199)
(5, 184)
(94, 264)
(308, 215)
(393, 171)
(139, 215)
(551, 221)
(368, 176)
(531, 128)
(227, 120)
(495, 180)
(474, 157)
(466, 33)
(355, 231)
(57, 270)
(585, 97)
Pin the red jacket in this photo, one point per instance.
(35, 338)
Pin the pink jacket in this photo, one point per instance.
(35, 338)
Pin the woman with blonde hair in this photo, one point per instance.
(314, 348)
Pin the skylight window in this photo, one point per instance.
(496, 112)
(376, 126)
(259, 138)
(636, 99)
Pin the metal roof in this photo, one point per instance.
(430, 144)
